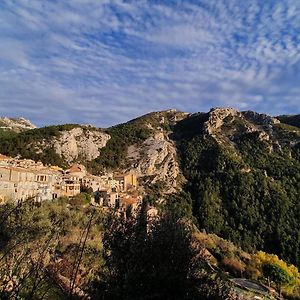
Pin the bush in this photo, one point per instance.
(234, 266)
(277, 274)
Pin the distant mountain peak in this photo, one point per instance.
(16, 124)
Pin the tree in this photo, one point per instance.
(149, 259)
(277, 274)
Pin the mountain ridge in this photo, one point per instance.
(241, 170)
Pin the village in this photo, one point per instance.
(22, 179)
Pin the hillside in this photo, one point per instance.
(241, 169)
(243, 173)
(66, 249)
(56, 145)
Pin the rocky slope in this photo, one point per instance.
(156, 159)
(57, 145)
(16, 124)
(241, 169)
(243, 173)
(79, 143)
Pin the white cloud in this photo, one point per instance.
(106, 61)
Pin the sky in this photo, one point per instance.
(104, 62)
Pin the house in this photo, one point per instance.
(129, 201)
(70, 186)
(4, 160)
(126, 181)
(17, 183)
(94, 182)
(106, 198)
(47, 180)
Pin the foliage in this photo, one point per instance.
(293, 120)
(276, 274)
(248, 195)
(276, 269)
(80, 199)
(154, 191)
(112, 156)
(149, 259)
(31, 237)
(234, 266)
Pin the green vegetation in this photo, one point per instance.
(113, 155)
(41, 246)
(155, 259)
(293, 120)
(249, 195)
(60, 249)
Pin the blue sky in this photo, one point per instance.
(104, 62)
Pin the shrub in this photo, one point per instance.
(234, 266)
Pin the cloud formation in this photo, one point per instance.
(107, 61)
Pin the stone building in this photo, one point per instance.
(69, 186)
(106, 198)
(17, 184)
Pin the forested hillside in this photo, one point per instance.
(245, 184)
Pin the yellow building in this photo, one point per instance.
(126, 181)
(70, 186)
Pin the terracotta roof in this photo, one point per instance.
(4, 157)
(76, 168)
(129, 200)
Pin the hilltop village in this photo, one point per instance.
(22, 179)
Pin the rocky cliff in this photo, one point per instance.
(80, 143)
(156, 159)
(228, 125)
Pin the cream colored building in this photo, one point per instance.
(17, 183)
(21, 179)
(70, 186)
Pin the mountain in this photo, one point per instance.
(243, 173)
(240, 171)
(16, 124)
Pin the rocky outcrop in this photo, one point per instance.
(260, 119)
(156, 157)
(80, 143)
(16, 124)
(217, 118)
(227, 125)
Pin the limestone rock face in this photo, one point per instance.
(79, 143)
(217, 117)
(226, 125)
(16, 124)
(156, 157)
(261, 119)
